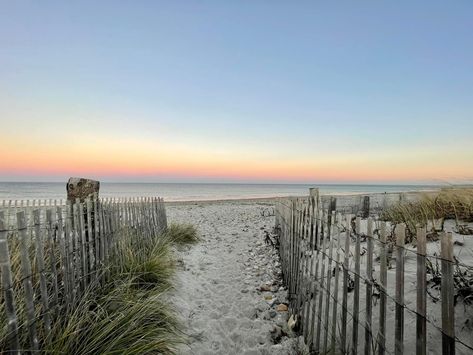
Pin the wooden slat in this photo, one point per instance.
(447, 293)
(317, 291)
(356, 295)
(100, 236)
(346, 265)
(43, 286)
(313, 193)
(399, 314)
(421, 324)
(365, 210)
(64, 264)
(89, 234)
(7, 287)
(329, 281)
(27, 280)
(369, 286)
(83, 246)
(52, 256)
(78, 254)
(322, 283)
(70, 251)
(383, 273)
(335, 291)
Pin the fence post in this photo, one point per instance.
(447, 293)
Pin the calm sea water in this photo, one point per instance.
(192, 192)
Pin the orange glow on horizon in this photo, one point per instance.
(132, 159)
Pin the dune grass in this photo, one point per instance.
(147, 263)
(129, 313)
(122, 320)
(431, 211)
(182, 234)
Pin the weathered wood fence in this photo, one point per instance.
(348, 285)
(51, 253)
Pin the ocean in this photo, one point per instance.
(194, 191)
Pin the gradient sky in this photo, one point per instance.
(254, 91)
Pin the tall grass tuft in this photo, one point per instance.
(431, 211)
(147, 263)
(123, 320)
(182, 234)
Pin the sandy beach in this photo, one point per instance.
(220, 284)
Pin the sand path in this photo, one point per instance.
(217, 293)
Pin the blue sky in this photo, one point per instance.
(307, 87)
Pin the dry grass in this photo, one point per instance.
(431, 211)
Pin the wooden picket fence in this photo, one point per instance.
(345, 300)
(51, 253)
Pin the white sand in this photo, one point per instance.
(217, 294)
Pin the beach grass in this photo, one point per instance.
(432, 210)
(128, 313)
(182, 234)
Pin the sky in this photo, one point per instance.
(237, 91)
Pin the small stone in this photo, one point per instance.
(281, 307)
(265, 288)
